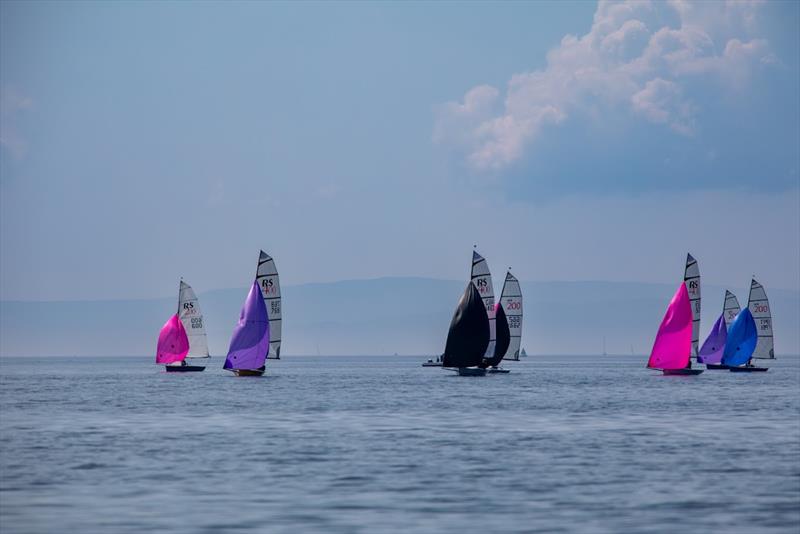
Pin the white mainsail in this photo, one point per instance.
(511, 301)
(691, 276)
(482, 279)
(731, 308)
(759, 307)
(267, 277)
(192, 319)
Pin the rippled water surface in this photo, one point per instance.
(376, 444)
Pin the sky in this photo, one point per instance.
(142, 141)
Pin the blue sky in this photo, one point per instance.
(573, 141)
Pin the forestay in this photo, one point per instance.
(511, 301)
(691, 277)
(267, 278)
(759, 308)
(482, 279)
(192, 320)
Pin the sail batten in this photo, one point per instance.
(482, 279)
(269, 283)
(691, 277)
(192, 318)
(511, 302)
(758, 304)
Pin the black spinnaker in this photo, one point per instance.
(468, 336)
(502, 340)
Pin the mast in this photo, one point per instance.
(691, 277)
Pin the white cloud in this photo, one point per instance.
(631, 59)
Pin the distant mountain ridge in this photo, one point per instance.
(379, 316)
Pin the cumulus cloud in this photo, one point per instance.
(638, 58)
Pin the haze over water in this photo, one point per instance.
(380, 444)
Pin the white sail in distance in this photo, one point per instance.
(482, 279)
(691, 276)
(731, 308)
(759, 307)
(511, 301)
(267, 277)
(192, 318)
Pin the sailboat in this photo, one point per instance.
(173, 344)
(193, 327)
(672, 348)
(758, 305)
(250, 341)
(731, 307)
(714, 345)
(741, 343)
(468, 335)
(691, 277)
(523, 354)
(269, 282)
(482, 279)
(511, 302)
(501, 343)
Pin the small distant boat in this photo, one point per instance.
(192, 327)
(523, 354)
(433, 363)
(501, 343)
(250, 341)
(468, 335)
(714, 345)
(741, 343)
(672, 348)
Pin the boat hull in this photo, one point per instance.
(682, 372)
(498, 371)
(716, 366)
(748, 369)
(432, 364)
(471, 371)
(184, 368)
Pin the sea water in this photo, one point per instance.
(381, 444)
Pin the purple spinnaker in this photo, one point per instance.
(714, 345)
(250, 340)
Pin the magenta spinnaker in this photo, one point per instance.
(673, 344)
(250, 340)
(714, 345)
(173, 343)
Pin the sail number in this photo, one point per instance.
(513, 305)
(514, 321)
(275, 307)
(760, 308)
(197, 322)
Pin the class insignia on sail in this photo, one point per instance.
(468, 335)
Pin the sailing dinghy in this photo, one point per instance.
(672, 348)
(250, 341)
(173, 344)
(192, 327)
(468, 335)
(511, 301)
(482, 279)
(741, 343)
(758, 304)
(714, 345)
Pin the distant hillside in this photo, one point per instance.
(380, 316)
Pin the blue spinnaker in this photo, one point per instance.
(741, 342)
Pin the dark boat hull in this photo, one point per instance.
(184, 368)
(682, 372)
(432, 364)
(748, 369)
(716, 366)
(248, 372)
(471, 371)
(498, 371)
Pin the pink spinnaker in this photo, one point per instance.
(673, 344)
(173, 343)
